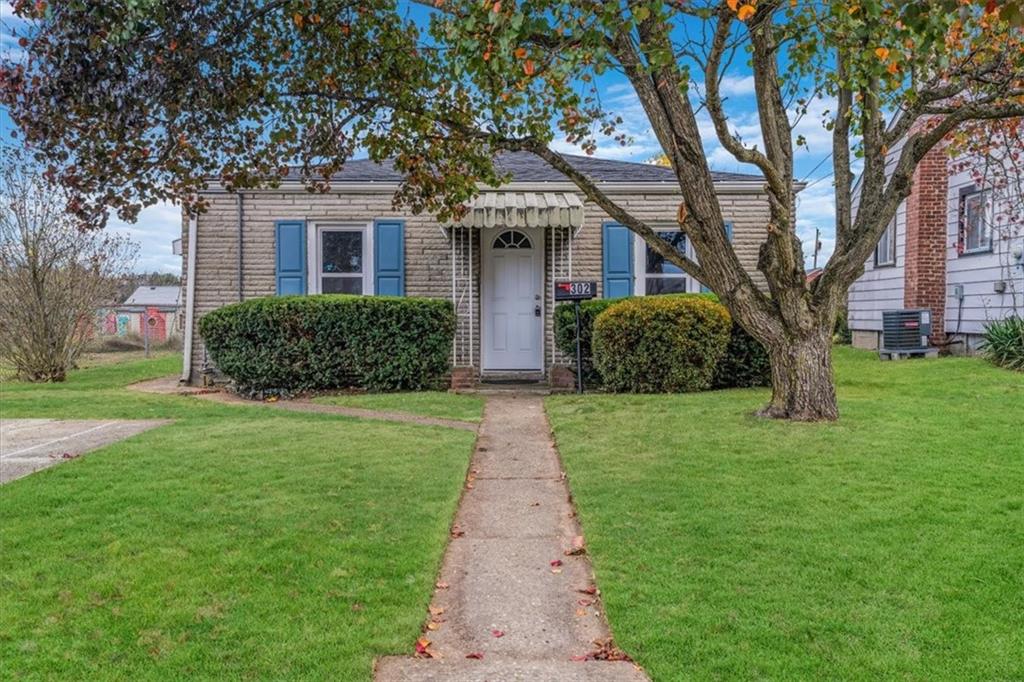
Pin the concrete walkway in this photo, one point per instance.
(516, 597)
(28, 445)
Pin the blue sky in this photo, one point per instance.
(158, 226)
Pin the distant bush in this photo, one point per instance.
(660, 344)
(301, 343)
(842, 334)
(565, 333)
(1003, 343)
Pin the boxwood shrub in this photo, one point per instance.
(744, 364)
(302, 343)
(661, 344)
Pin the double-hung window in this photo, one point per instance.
(342, 259)
(660, 276)
(975, 229)
(885, 252)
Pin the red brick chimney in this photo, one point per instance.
(924, 274)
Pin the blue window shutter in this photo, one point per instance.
(290, 236)
(389, 257)
(618, 261)
(728, 235)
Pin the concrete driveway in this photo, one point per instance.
(28, 445)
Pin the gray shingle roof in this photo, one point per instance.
(527, 167)
(163, 297)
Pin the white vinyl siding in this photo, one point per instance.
(977, 272)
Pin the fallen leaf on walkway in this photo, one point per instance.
(605, 651)
(457, 532)
(585, 602)
(441, 585)
(497, 633)
(589, 589)
(535, 504)
(581, 612)
(476, 654)
(577, 547)
(423, 648)
(436, 610)
(556, 562)
(433, 625)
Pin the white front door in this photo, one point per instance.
(513, 299)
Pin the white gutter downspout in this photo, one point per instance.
(190, 300)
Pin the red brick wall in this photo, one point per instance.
(925, 264)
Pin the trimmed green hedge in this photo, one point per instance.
(661, 344)
(744, 364)
(284, 344)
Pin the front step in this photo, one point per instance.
(512, 377)
(406, 669)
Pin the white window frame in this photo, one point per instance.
(987, 217)
(891, 233)
(314, 252)
(640, 262)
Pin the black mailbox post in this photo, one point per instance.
(576, 292)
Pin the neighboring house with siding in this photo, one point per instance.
(498, 265)
(952, 249)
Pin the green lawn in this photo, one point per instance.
(887, 546)
(469, 408)
(235, 543)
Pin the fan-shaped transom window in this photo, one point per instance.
(512, 239)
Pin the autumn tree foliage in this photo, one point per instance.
(132, 101)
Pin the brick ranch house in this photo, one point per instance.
(950, 249)
(498, 265)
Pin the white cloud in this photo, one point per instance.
(155, 229)
(816, 208)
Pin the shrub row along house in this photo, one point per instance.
(497, 265)
(955, 248)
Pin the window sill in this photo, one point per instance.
(882, 266)
(976, 252)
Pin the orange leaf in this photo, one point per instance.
(882, 53)
(520, 53)
(733, 4)
(746, 12)
(528, 67)
(298, 19)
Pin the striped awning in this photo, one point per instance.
(524, 209)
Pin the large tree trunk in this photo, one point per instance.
(802, 383)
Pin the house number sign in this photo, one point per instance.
(575, 291)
